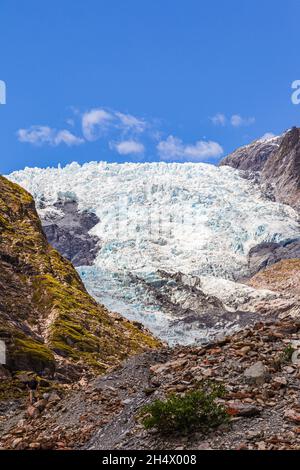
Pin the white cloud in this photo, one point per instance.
(173, 148)
(238, 121)
(40, 135)
(127, 147)
(66, 137)
(95, 122)
(219, 119)
(131, 123)
(98, 121)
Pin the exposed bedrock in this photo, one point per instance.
(278, 161)
(266, 254)
(67, 230)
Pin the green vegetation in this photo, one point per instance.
(286, 355)
(42, 290)
(34, 352)
(196, 410)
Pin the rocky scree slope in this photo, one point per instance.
(47, 318)
(255, 366)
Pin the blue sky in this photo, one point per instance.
(143, 80)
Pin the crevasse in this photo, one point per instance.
(195, 218)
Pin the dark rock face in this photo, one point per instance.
(282, 169)
(277, 160)
(267, 254)
(254, 156)
(69, 234)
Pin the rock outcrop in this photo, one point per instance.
(283, 276)
(253, 156)
(282, 169)
(47, 318)
(266, 254)
(67, 230)
(278, 161)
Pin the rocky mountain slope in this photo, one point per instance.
(278, 161)
(47, 319)
(282, 169)
(283, 276)
(252, 156)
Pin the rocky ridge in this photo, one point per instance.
(277, 160)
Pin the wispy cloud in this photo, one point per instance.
(98, 121)
(66, 137)
(39, 135)
(236, 120)
(128, 147)
(95, 122)
(173, 148)
(126, 134)
(219, 119)
(131, 123)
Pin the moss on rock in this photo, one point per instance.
(44, 306)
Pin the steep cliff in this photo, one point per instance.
(282, 169)
(46, 316)
(278, 161)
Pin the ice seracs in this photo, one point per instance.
(196, 219)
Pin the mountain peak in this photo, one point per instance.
(278, 161)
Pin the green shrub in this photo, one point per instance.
(286, 355)
(196, 410)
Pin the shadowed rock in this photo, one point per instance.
(267, 254)
(68, 232)
(278, 161)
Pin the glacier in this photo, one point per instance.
(191, 218)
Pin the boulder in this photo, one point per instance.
(40, 405)
(243, 409)
(4, 373)
(32, 412)
(293, 416)
(257, 374)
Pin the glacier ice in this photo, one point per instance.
(197, 219)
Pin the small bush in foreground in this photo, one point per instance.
(287, 354)
(196, 410)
